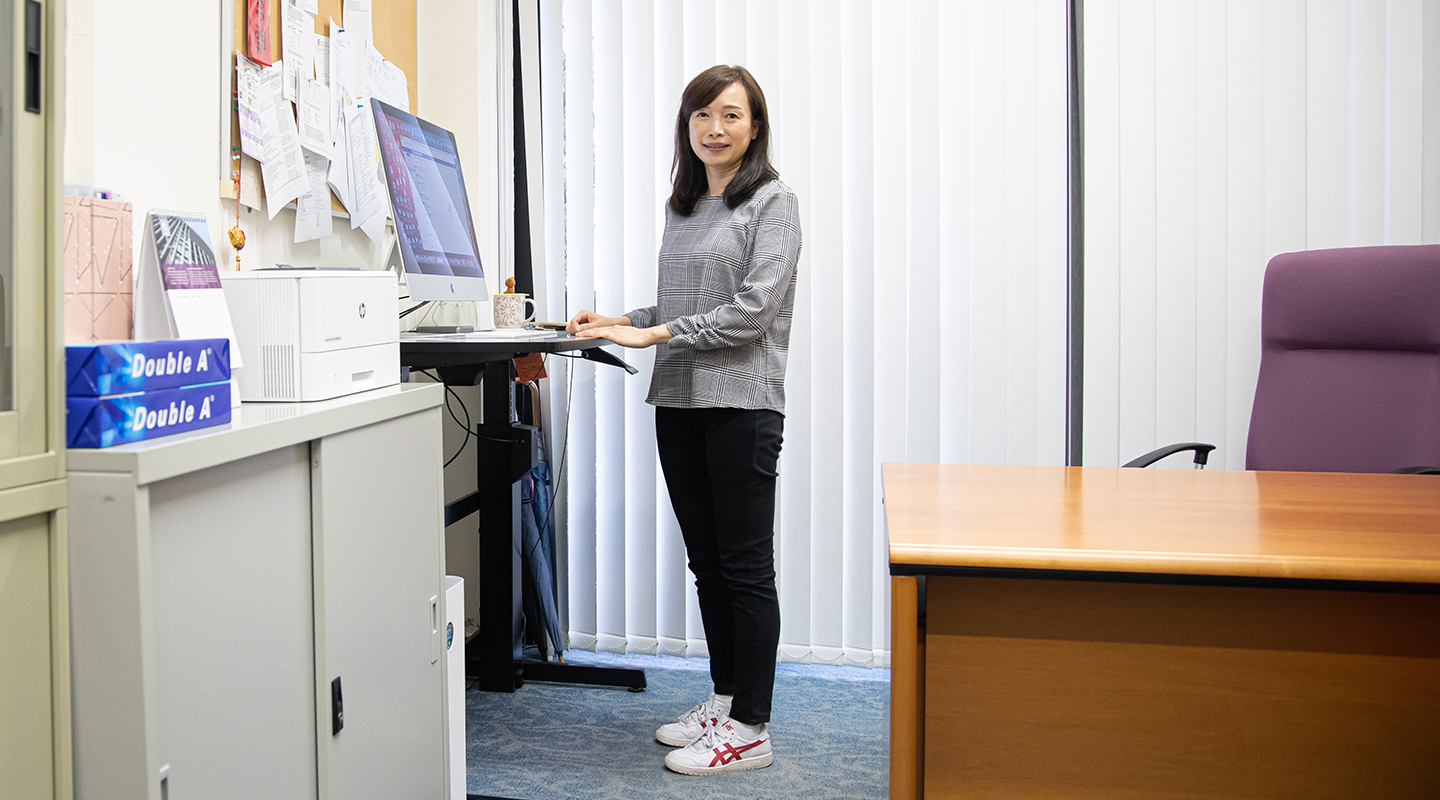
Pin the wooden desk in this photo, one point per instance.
(1107, 633)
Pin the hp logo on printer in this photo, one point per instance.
(362, 311)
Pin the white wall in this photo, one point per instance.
(1218, 135)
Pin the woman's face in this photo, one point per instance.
(721, 132)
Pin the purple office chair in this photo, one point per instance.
(1349, 364)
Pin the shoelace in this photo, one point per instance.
(708, 709)
(707, 739)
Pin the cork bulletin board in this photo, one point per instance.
(393, 31)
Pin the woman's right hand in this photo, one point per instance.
(589, 319)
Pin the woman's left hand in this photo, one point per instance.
(628, 336)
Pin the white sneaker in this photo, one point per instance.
(722, 748)
(694, 722)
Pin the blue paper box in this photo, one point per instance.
(111, 368)
(105, 421)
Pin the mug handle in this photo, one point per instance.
(534, 309)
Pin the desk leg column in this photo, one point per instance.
(907, 690)
(497, 646)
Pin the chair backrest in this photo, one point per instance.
(1350, 361)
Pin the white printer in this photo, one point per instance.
(314, 334)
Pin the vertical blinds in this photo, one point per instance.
(1218, 134)
(926, 141)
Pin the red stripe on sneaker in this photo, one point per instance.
(724, 755)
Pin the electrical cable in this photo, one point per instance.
(449, 392)
(468, 432)
(412, 309)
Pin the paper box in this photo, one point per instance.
(118, 419)
(111, 244)
(79, 317)
(98, 270)
(111, 368)
(79, 254)
(113, 316)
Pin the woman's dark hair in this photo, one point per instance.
(687, 174)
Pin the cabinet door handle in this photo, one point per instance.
(337, 707)
(32, 55)
(435, 647)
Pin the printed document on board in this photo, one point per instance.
(356, 19)
(365, 185)
(314, 113)
(252, 137)
(297, 42)
(339, 177)
(312, 209)
(284, 166)
(384, 80)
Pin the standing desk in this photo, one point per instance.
(1124, 633)
(505, 452)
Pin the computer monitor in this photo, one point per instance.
(431, 210)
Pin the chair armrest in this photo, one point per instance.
(1416, 471)
(1202, 454)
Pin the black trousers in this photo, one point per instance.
(720, 469)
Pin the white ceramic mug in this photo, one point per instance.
(510, 310)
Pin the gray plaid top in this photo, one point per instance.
(727, 294)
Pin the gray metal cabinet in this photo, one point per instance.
(221, 580)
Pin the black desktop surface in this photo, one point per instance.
(461, 359)
(448, 350)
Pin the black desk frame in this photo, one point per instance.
(505, 452)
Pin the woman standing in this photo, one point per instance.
(725, 299)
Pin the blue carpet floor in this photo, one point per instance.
(830, 729)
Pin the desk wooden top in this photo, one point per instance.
(1325, 526)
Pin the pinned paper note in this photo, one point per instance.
(342, 75)
(284, 168)
(356, 18)
(339, 175)
(364, 181)
(375, 228)
(314, 113)
(312, 210)
(297, 40)
(384, 80)
(252, 138)
(249, 182)
(322, 58)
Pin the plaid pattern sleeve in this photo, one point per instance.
(727, 294)
(642, 317)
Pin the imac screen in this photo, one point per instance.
(427, 195)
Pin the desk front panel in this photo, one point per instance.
(1080, 689)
